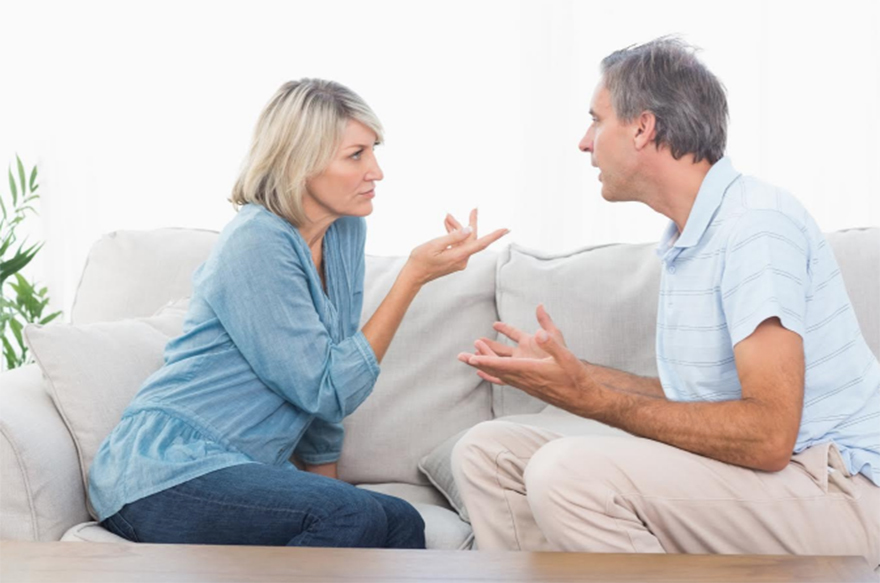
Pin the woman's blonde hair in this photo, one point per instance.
(296, 137)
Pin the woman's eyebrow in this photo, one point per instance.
(350, 146)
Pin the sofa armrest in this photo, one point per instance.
(41, 491)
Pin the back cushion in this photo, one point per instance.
(424, 394)
(605, 301)
(131, 274)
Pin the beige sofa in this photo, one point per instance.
(54, 413)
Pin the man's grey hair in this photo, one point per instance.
(665, 77)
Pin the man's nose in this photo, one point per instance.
(586, 143)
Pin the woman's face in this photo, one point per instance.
(346, 186)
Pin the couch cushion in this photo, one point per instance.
(41, 494)
(424, 394)
(131, 274)
(444, 530)
(858, 254)
(603, 298)
(94, 370)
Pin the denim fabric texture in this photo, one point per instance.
(268, 364)
(256, 504)
(749, 252)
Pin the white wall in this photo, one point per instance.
(138, 113)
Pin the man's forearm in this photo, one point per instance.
(620, 381)
(741, 432)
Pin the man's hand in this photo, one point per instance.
(558, 378)
(526, 344)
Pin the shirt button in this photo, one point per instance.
(671, 269)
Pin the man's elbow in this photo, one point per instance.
(776, 454)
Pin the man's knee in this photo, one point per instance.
(475, 452)
(570, 472)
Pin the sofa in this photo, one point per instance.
(132, 298)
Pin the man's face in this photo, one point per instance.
(611, 146)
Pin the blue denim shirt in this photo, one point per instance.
(268, 364)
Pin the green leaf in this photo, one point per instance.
(21, 179)
(8, 353)
(15, 326)
(13, 189)
(49, 318)
(33, 179)
(3, 208)
(18, 262)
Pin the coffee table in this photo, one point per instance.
(121, 563)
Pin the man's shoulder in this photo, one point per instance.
(755, 206)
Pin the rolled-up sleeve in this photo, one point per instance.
(263, 297)
(766, 274)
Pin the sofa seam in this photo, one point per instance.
(27, 485)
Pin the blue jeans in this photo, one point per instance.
(258, 504)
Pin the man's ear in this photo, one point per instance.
(645, 129)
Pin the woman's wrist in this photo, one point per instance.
(410, 278)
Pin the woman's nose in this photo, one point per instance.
(375, 172)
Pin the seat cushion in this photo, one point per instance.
(444, 530)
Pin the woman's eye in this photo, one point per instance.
(357, 155)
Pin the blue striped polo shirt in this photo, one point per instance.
(750, 251)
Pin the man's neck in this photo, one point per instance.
(673, 186)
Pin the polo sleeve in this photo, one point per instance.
(262, 296)
(766, 274)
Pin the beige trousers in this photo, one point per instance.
(533, 489)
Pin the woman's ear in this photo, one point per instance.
(645, 129)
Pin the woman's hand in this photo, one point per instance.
(450, 253)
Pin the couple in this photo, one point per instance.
(760, 436)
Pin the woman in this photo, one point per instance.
(270, 360)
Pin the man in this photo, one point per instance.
(762, 432)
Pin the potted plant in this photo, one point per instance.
(21, 301)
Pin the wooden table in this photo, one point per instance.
(61, 562)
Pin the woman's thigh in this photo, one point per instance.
(256, 504)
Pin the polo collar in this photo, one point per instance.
(720, 176)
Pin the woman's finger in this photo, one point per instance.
(498, 348)
(453, 238)
(472, 222)
(471, 247)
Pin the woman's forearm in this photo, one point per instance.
(381, 327)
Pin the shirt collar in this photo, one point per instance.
(720, 176)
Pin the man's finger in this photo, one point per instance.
(498, 348)
(544, 319)
(514, 334)
(568, 361)
(484, 349)
(490, 378)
